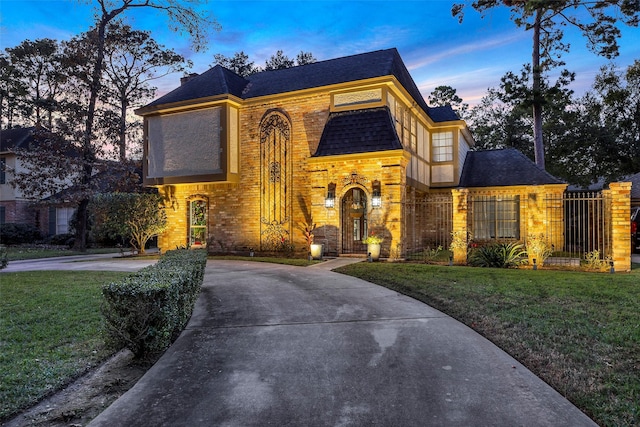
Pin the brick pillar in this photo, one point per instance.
(460, 223)
(545, 219)
(621, 225)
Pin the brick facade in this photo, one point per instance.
(284, 141)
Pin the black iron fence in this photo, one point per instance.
(579, 226)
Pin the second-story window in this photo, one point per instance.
(442, 143)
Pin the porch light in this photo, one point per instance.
(376, 198)
(330, 200)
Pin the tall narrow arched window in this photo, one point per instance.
(197, 223)
(275, 181)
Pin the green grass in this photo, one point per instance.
(299, 262)
(580, 332)
(15, 253)
(50, 325)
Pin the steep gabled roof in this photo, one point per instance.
(505, 167)
(220, 81)
(16, 138)
(358, 131)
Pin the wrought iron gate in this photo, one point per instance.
(354, 221)
(428, 223)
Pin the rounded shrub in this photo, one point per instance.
(15, 234)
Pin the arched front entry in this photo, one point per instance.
(354, 221)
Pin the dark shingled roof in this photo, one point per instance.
(220, 81)
(216, 81)
(497, 168)
(359, 131)
(635, 185)
(16, 138)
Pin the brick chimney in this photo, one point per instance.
(185, 79)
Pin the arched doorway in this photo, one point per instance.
(354, 221)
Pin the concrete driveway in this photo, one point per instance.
(291, 346)
(98, 262)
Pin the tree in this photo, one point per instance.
(614, 105)
(239, 63)
(38, 69)
(278, 61)
(546, 19)
(446, 95)
(132, 60)
(180, 16)
(12, 91)
(136, 216)
(304, 58)
(590, 138)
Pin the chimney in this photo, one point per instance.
(185, 79)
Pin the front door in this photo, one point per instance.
(354, 221)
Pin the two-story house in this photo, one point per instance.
(15, 207)
(347, 144)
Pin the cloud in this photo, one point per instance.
(425, 57)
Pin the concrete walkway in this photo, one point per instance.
(291, 346)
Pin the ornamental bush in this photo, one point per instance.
(146, 311)
(4, 257)
(499, 255)
(15, 234)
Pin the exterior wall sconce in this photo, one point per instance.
(376, 198)
(330, 200)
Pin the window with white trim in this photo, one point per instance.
(63, 217)
(442, 146)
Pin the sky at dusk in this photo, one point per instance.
(436, 49)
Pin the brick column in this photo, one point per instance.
(460, 222)
(621, 225)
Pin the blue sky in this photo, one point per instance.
(470, 57)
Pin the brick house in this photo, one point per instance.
(348, 144)
(15, 207)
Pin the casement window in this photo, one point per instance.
(496, 217)
(198, 222)
(442, 146)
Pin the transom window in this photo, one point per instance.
(442, 143)
(198, 222)
(496, 217)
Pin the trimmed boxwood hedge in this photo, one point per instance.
(146, 311)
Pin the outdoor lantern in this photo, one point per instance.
(330, 200)
(376, 198)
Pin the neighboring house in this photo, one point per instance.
(347, 144)
(14, 206)
(635, 189)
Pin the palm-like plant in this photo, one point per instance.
(501, 255)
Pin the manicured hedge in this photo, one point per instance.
(146, 311)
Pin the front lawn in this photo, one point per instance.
(580, 332)
(15, 253)
(50, 332)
